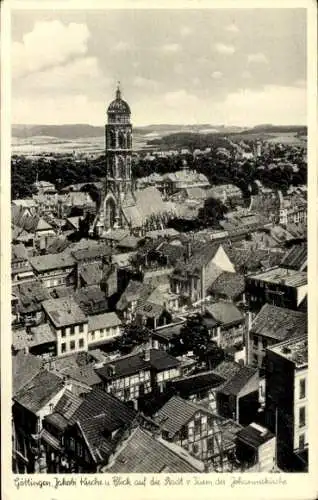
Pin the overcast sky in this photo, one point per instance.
(233, 66)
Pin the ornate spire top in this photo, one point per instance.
(118, 91)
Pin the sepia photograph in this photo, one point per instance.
(159, 241)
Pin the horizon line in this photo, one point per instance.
(260, 124)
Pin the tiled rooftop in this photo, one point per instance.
(142, 453)
(282, 276)
(225, 313)
(43, 263)
(176, 413)
(254, 435)
(228, 284)
(295, 350)
(295, 257)
(133, 363)
(24, 368)
(64, 312)
(279, 323)
(233, 386)
(38, 391)
(106, 320)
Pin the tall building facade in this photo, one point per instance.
(118, 136)
(118, 181)
(286, 405)
(121, 205)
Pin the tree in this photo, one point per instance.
(210, 354)
(212, 212)
(133, 336)
(192, 336)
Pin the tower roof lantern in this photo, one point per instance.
(118, 105)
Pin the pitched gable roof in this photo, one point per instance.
(295, 257)
(227, 369)
(225, 313)
(96, 403)
(175, 414)
(230, 285)
(64, 312)
(105, 320)
(238, 381)
(24, 368)
(98, 416)
(142, 453)
(36, 393)
(279, 323)
(42, 225)
(91, 273)
(64, 410)
(133, 363)
(197, 382)
(135, 290)
(52, 261)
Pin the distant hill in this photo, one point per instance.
(220, 137)
(82, 131)
(75, 131)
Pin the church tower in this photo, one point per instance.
(118, 136)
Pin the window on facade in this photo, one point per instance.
(197, 426)
(126, 393)
(93, 335)
(81, 343)
(210, 421)
(63, 332)
(302, 388)
(302, 416)
(301, 441)
(81, 328)
(72, 443)
(184, 433)
(210, 444)
(72, 345)
(72, 330)
(63, 347)
(195, 449)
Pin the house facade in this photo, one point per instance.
(103, 328)
(132, 377)
(193, 276)
(54, 270)
(69, 324)
(277, 286)
(31, 404)
(192, 427)
(271, 326)
(286, 403)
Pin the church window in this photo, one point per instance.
(121, 168)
